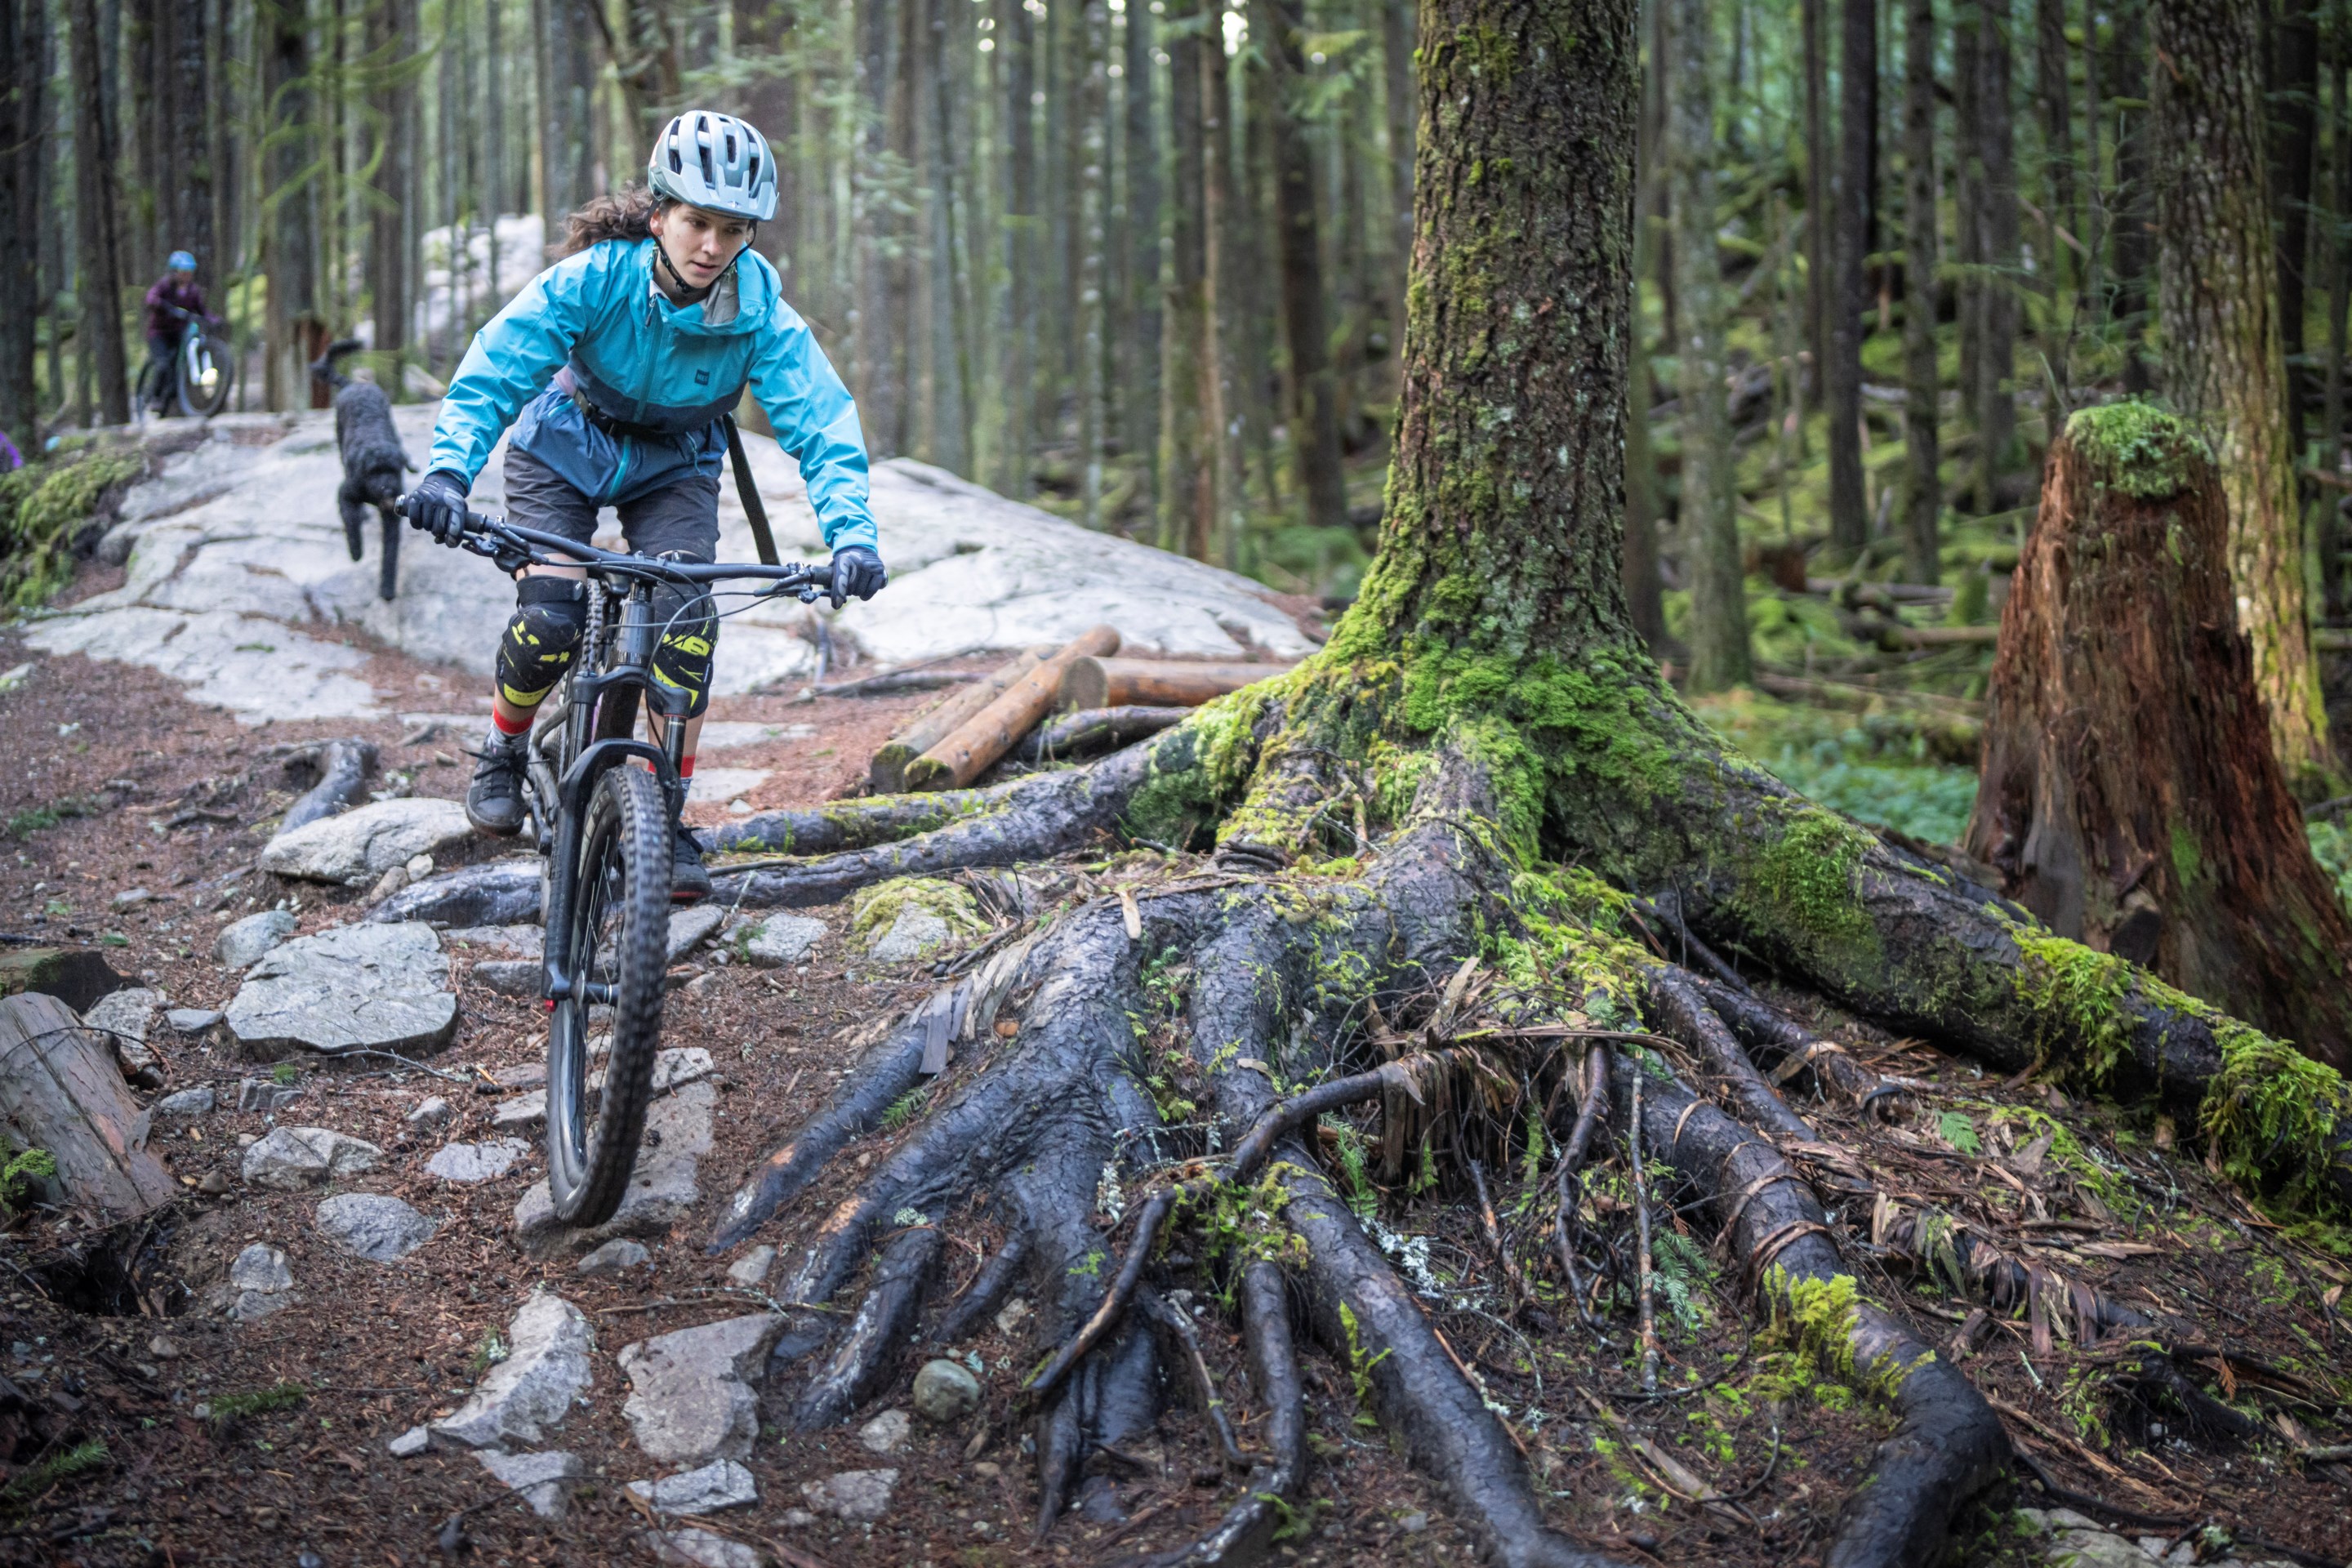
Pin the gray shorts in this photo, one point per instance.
(680, 519)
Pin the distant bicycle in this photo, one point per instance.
(600, 802)
(203, 371)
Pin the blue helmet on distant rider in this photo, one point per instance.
(179, 261)
(715, 161)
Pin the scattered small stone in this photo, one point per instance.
(1012, 1315)
(292, 1158)
(691, 1400)
(199, 1101)
(1414, 1524)
(887, 1433)
(523, 1111)
(674, 1067)
(859, 1496)
(797, 1517)
(945, 1391)
(510, 977)
(213, 1183)
(356, 987)
(987, 1470)
(719, 1485)
(545, 1370)
(410, 1444)
(163, 1347)
(242, 943)
(431, 1112)
(259, 1283)
(522, 1075)
(374, 1225)
(542, 1479)
(753, 1268)
(130, 897)
(419, 867)
(474, 1163)
(701, 1549)
(781, 939)
(615, 1256)
(192, 1020)
(124, 1016)
(265, 1094)
(690, 927)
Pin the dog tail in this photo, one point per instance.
(323, 367)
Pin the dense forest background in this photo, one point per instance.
(1145, 263)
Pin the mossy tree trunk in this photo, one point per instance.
(2218, 306)
(2129, 795)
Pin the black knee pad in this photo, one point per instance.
(689, 631)
(550, 615)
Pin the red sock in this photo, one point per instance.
(505, 728)
(685, 767)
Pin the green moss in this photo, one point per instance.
(1804, 883)
(1568, 936)
(2139, 448)
(24, 1168)
(2271, 1113)
(873, 910)
(1814, 1318)
(42, 506)
(2076, 995)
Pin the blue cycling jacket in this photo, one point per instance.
(594, 327)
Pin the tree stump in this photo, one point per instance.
(2129, 794)
(60, 1090)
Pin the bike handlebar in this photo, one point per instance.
(512, 546)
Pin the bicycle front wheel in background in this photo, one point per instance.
(205, 372)
(620, 940)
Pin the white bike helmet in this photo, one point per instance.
(716, 161)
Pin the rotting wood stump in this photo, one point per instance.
(2130, 796)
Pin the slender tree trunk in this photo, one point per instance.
(1821, 259)
(98, 206)
(2340, 299)
(1710, 527)
(2136, 209)
(1967, 214)
(23, 126)
(1644, 589)
(1093, 152)
(1188, 509)
(1017, 43)
(1397, 99)
(878, 385)
(2061, 303)
(391, 40)
(1924, 492)
(2293, 136)
(950, 416)
(1995, 160)
(187, 173)
(568, 86)
(1220, 403)
(1139, 380)
(1849, 211)
(1313, 411)
(2224, 364)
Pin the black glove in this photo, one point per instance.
(437, 506)
(858, 572)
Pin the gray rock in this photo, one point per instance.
(700, 1549)
(374, 1225)
(945, 1391)
(752, 1267)
(131, 897)
(188, 1102)
(543, 1479)
(780, 940)
(615, 1256)
(690, 927)
(409, 1443)
(691, 1399)
(242, 943)
(662, 1190)
(545, 1370)
(360, 846)
(887, 1433)
(471, 1163)
(860, 1496)
(720, 1484)
(520, 977)
(522, 1110)
(292, 1158)
(496, 893)
(507, 940)
(431, 1112)
(380, 987)
(674, 1067)
(264, 1094)
(124, 1016)
(259, 1283)
(192, 1020)
(915, 933)
(1414, 1524)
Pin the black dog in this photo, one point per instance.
(374, 459)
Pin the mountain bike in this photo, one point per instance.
(601, 802)
(203, 371)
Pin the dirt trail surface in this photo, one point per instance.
(235, 563)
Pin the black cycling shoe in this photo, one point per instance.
(689, 882)
(494, 798)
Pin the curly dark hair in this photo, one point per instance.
(621, 215)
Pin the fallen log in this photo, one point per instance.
(1942, 637)
(888, 771)
(343, 768)
(1095, 730)
(76, 976)
(1155, 682)
(60, 1091)
(988, 734)
(890, 683)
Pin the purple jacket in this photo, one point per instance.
(168, 293)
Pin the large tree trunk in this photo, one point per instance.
(2339, 301)
(2135, 219)
(1138, 351)
(1018, 33)
(24, 120)
(2128, 797)
(296, 334)
(1710, 522)
(391, 39)
(1644, 581)
(2294, 99)
(97, 207)
(2224, 365)
(1221, 400)
(1923, 503)
(1314, 395)
(1848, 215)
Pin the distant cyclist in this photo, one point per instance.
(616, 368)
(175, 292)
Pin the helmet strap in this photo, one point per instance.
(661, 253)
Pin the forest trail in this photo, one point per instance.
(235, 561)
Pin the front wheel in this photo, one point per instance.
(620, 940)
(204, 372)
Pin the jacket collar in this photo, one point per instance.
(737, 303)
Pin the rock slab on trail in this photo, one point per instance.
(360, 846)
(859, 1496)
(242, 943)
(780, 940)
(259, 1283)
(357, 987)
(545, 1370)
(720, 1484)
(662, 1190)
(468, 1164)
(691, 1400)
(292, 1158)
(374, 1225)
(544, 1480)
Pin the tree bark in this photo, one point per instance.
(98, 209)
(1923, 503)
(1018, 36)
(1710, 524)
(391, 41)
(1821, 227)
(1645, 585)
(567, 90)
(1187, 489)
(2340, 299)
(24, 146)
(2128, 798)
(2061, 301)
(1221, 415)
(1314, 409)
(1138, 384)
(1094, 180)
(1849, 214)
(2224, 364)
(1993, 159)
(1398, 101)
(2293, 122)
(2135, 237)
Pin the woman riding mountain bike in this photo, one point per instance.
(617, 368)
(170, 300)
